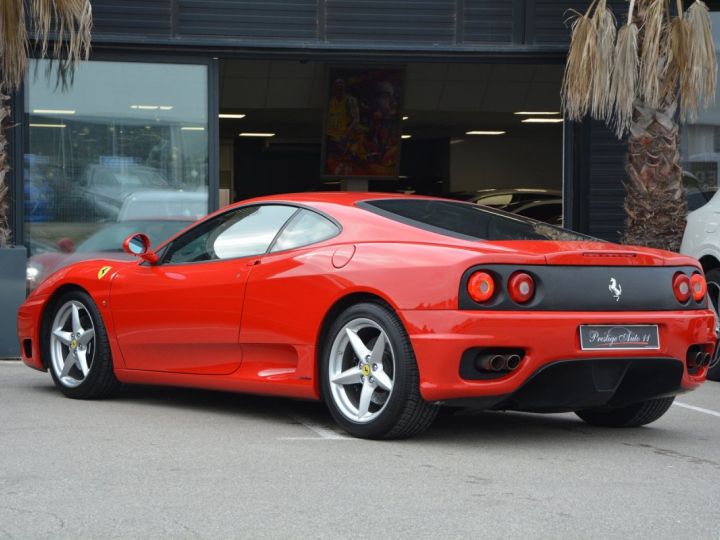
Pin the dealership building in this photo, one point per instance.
(215, 101)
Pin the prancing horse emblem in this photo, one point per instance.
(615, 289)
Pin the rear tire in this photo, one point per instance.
(369, 376)
(712, 277)
(77, 349)
(635, 415)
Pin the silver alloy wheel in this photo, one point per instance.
(361, 370)
(72, 344)
(713, 292)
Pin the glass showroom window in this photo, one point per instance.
(127, 141)
(700, 145)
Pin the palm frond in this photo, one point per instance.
(650, 53)
(702, 61)
(70, 22)
(576, 89)
(675, 73)
(604, 26)
(13, 44)
(625, 78)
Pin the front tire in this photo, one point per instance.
(77, 349)
(369, 376)
(635, 415)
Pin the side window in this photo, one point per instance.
(241, 233)
(305, 228)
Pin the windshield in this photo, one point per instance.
(467, 221)
(111, 237)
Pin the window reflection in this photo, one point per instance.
(127, 141)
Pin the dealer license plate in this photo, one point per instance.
(619, 337)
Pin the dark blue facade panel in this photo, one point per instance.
(255, 19)
(391, 21)
(488, 21)
(548, 20)
(606, 193)
(132, 17)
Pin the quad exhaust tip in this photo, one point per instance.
(498, 362)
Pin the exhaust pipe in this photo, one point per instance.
(706, 359)
(513, 361)
(493, 362)
(699, 359)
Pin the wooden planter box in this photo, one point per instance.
(12, 294)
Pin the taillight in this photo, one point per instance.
(481, 286)
(698, 286)
(681, 287)
(521, 287)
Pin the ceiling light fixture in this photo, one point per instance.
(406, 136)
(256, 134)
(406, 117)
(478, 132)
(231, 115)
(53, 111)
(192, 128)
(536, 113)
(48, 125)
(152, 107)
(542, 120)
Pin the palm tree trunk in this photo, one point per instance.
(655, 201)
(4, 168)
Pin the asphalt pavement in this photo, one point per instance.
(176, 463)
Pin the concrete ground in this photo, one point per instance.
(172, 463)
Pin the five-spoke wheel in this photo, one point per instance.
(369, 375)
(361, 370)
(72, 343)
(77, 348)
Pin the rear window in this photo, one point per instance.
(467, 221)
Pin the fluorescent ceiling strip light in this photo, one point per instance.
(406, 117)
(536, 113)
(477, 132)
(53, 111)
(192, 128)
(230, 115)
(152, 107)
(406, 136)
(542, 120)
(256, 134)
(48, 125)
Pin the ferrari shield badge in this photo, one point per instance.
(104, 270)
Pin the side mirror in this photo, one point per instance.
(139, 245)
(66, 245)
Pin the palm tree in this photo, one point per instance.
(641, 79)
(69, 23)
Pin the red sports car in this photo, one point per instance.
(385, 307)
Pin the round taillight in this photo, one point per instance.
(481, 286)
(681, 287)
(698, 286)
(521, 287)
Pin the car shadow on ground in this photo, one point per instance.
(461, 426)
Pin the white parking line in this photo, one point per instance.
(698, 409)
(324, 432)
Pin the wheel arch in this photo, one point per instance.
(709, 262)
(46, 316)
(335, 310)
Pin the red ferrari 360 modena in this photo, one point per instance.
(385, 307)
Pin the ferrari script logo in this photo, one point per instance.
(615, 289)
(365, 370)
(104, 270)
